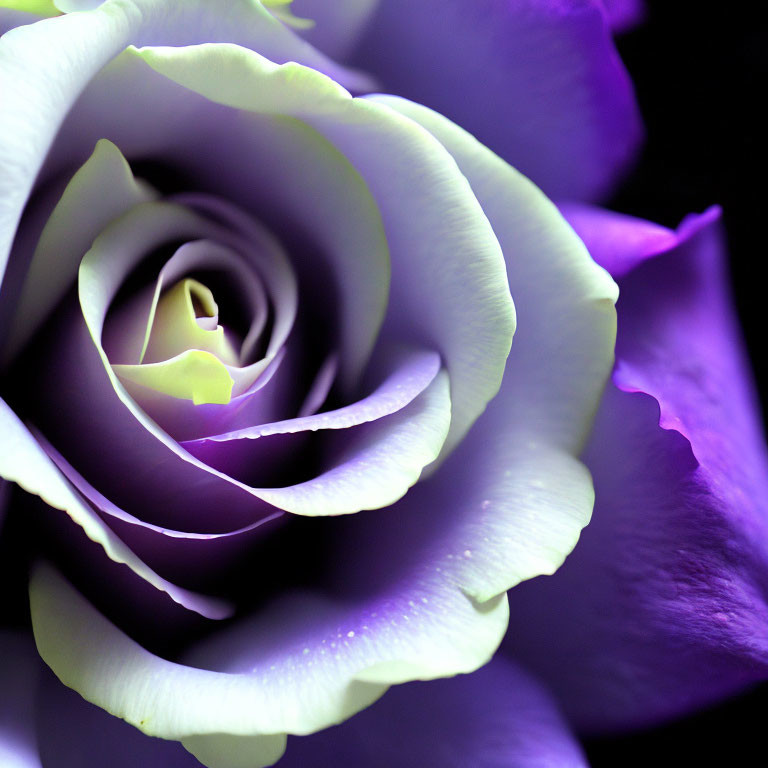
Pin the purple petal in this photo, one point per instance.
(24, 461)
(179, 555)
(338, 25)
(662, 609)
(623, 15)
(540, 83)
(20, 667)
(497, 717)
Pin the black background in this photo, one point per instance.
(700, 71)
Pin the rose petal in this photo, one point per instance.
(298, 668)
(624, 14)
(561, 108)
(663, 603)
(409, 373)
(20, 667)
(23, 461)
(497, 717)
(618, 242)
(101, 190)
(173, 553)
(516, 497)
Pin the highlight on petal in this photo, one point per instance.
(296, 668)
(193, 375)
(663, 601)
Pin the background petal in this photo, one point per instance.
(20, 668)
(497, 717)
(537, 81)
(662, 607)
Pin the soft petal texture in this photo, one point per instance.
(538, 81)
(437, 232)
(23, 461)
(69, 51)
(497, 717)
(19, 670)
(299, 667)
(516, 498)
(662, 607)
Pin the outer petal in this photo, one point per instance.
(44, 67)
(298, 668)
(538, 81)
(497, 717)
(516, 497)
(19, 669)
(624, 14)
(662, 608)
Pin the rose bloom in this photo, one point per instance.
(269, 446)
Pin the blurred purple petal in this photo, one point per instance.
(537, 81)
(618, 242)
(662, 607)
(20, 668)
(623, 15)
(497, 717)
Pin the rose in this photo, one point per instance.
(141, 423)
(502, 688)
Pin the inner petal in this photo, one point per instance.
(186, 317)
